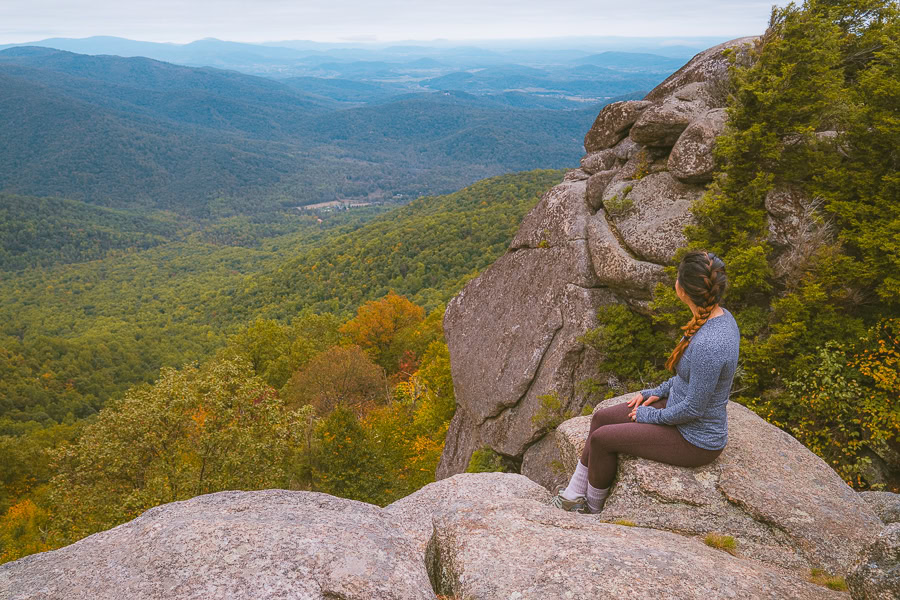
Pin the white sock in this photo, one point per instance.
(578, 484)
(596, 498)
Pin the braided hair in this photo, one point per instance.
(702, 276)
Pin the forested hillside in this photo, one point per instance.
(297, 324)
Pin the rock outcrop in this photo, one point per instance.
(603, 236)
(783, 504)
(233, 545)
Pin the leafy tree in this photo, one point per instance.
(23, 531)
(341, 376)
(195, 431)
(381, 326)
(348, 464)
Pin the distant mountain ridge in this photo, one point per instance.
(127, 132)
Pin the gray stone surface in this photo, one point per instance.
(413, 513)
(652, 230)
(612, 124)
(876, 575)
(704, 66)
(614, 266)
(782, 503)
(523, 549)
(575, 175)
(232, 545)
(626, 149)
(786, 206)
(560, 217)
(512, 335)
(691, 159)
(885, 504)
(662, 124)
(599, 161)
(596, 185)
(541, 464)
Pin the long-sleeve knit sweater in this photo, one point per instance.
(698, 392)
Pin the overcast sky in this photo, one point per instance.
(378, 20)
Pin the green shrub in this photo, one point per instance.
(721, 542)
(550, 413)
(485, 460)
(617, 206)
(825, 579)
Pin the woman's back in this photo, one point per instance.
(698, 392)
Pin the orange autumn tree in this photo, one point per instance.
(383, 328)
(341, 376)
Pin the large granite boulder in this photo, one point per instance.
(876, 575)
(659, 209)
(519, 548)
(612, 124)
(599, 161)
(266, 544)
(614, 265)
(709, 65)
(691, 159)
(662, 123)
(596, 186)
(503, 360)
(560, 217)
(413, 514)
(783, 504)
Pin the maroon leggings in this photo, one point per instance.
(613, 431)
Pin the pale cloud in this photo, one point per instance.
(336, 20)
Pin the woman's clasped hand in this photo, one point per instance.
(638, 400)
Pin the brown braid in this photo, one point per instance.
(702, 276)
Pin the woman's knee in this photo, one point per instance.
(597, 440)
(612, 415)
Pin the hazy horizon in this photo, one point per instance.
(393, 21)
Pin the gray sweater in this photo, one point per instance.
(698, 392)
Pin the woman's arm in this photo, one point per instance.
(706, 365)
(662, 390)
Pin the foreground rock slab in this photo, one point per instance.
(232, 545)
(512, 548)
(783, 504)
(414, 513)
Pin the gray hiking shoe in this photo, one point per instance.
(578, 505)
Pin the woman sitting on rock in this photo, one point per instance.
(683, 420)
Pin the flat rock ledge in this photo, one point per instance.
(473, 535)
(233, 545)
(413, 514)
(783, 505)
(504, 548)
